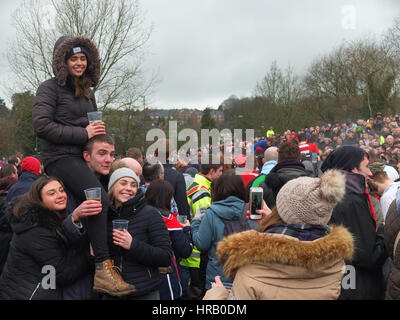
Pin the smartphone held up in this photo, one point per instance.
(256, 198)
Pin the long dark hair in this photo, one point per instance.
(34, 195)
(229, 184)
(159, 194)
(82, 85)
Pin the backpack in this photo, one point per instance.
(237, 225)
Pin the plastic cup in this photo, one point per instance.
(181, 218)
(120, 224)
(94, 116)
(93, 194)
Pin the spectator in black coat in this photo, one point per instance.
(38, 249)
(30, 169)
(159, 195)
(356, 213)
(142, 248)
(175, 178)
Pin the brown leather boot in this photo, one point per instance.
(108, 280)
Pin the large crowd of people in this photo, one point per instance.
(327, 227)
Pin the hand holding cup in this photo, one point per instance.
(95, 128)
(122, 238)
(86, 209)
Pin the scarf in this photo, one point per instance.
(303, 232)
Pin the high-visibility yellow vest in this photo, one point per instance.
(198, 196)
(270, 133)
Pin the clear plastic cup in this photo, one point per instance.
(181, 218)
(94, 116)
(93, 194)
(120, 224)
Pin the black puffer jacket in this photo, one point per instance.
(39, 241)
(392, 228)
(60, 119)
(150, 248)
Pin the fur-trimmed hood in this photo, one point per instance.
(250, 247)
(63, 46)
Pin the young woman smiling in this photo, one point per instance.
(39, 245)
(145, 245)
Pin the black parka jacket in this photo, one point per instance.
(151, 245)
(38, 241)
(354, 213)
(59, 118)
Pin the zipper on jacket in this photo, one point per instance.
(34, 291)
(148, 270)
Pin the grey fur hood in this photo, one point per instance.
(63, 45)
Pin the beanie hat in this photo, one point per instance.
(31, 164)
(344, 158)
(307, 200)
(75, 50)
(121, 173)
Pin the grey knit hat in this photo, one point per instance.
(308, 200)
(121, 173)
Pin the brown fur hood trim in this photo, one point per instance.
(249, 247)
(63, 46)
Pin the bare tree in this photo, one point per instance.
(117, 27)
(392, 39)
(281, 87)
(356, 75)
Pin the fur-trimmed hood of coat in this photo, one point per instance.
(250, 247)
(63, 46)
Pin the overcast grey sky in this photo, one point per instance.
(208, 50)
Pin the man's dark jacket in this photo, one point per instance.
(354, 213)
(23, 185)
(177, 180)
